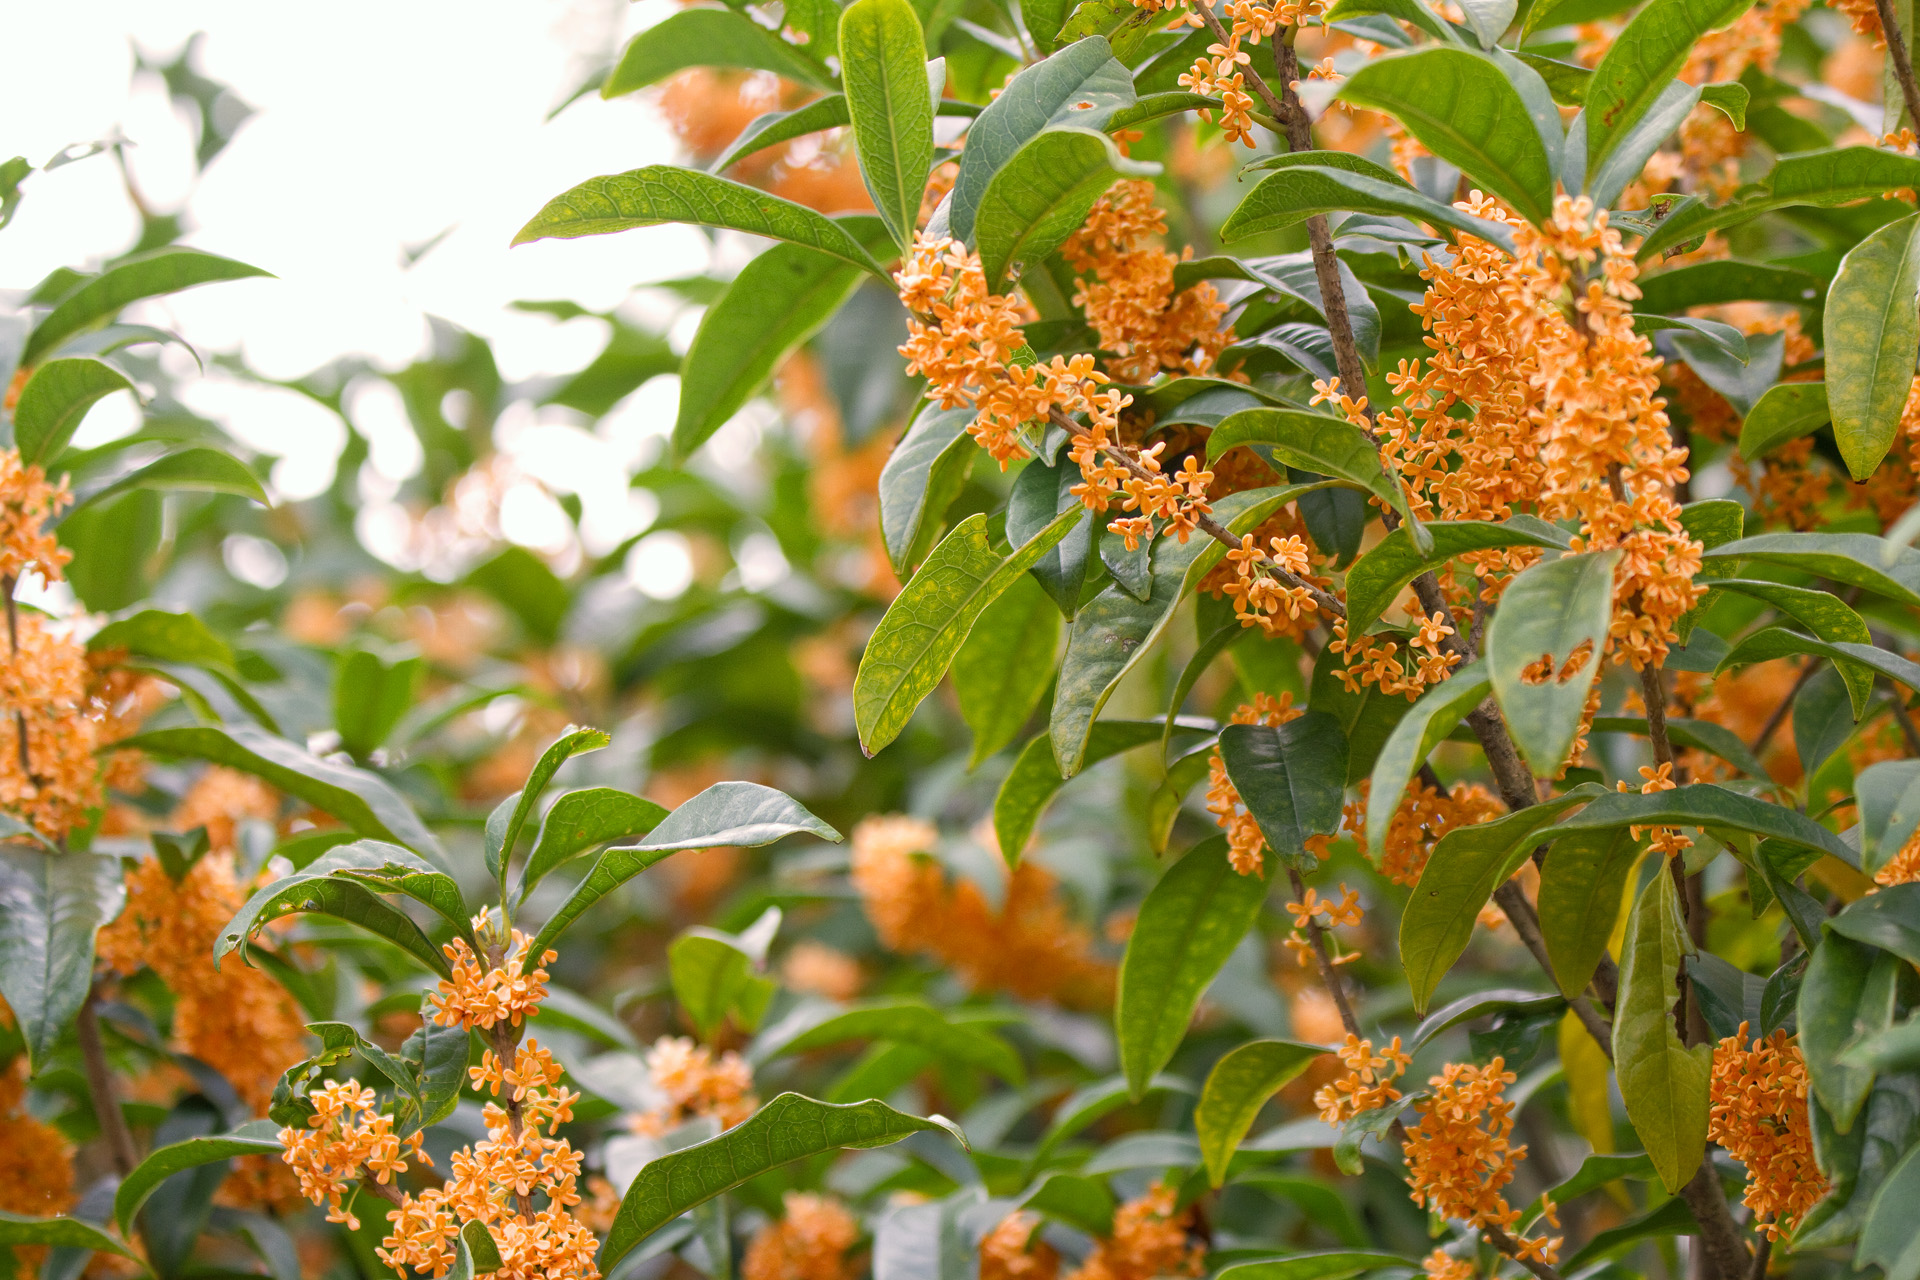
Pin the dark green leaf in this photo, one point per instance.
(708, 38)
(1580, 888)
(1705, 805)
(1377, 578)
(922, 477)
(1316, 1266)
(1663, 1082)
(60, 1233)
(1319, 443)
(573, 740)
(1728, 280)
(256, 1137)
(1041, 492)
(1190, 922)
(883, 61)
(1846, 997)
(1851, 559)
(1551, 611)
(1889, 797)
(147, 275)
(1034, 778)
(1888, 919)
(1856, 662)
(712, 973)
(1786, 412)
(1041, 195)
(369, 697)
(579, 821)
(1642, 61)
(1701, 735)
(1303, 189)
(1872, 331)
(1237, 1087)
(1291, 779)
(816, 1025)
(55, 399)
(1004, 667)
(50, 907)
(1437, 713)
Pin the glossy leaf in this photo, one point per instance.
(1552, 613)
(883, 60)
(146, 275)
(1003, 669)
(817, 1025)
(1856, 662)
(186, 471)
(1851, 559)
(256, 1137)
(788, 1128)
(1237, 1088)
(50, 907)
(1291, 779)
(1437, 713)
(1889, 796)
(1041, 195)
(1031, 783)
(1889, 919)
(1704, 804)
(581, 820)
(573, 740)
(1642, 61)
(928, 621)
(1379, 576)
(707, 38)
(923, 475)
(1041, 492)
(63, 1232)
(663, 193)
(1663, 1082)
(1464, 108)
(1190, 922)
(1319, 443)
(1579, 901)
(1315, 1266)
(1303, 189)
(55, 399)
(1847, 995)
(1786, 412)
(1872, 333)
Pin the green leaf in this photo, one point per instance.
(1034, 778)
(172, 637)
(1580, 888)
(1004, 667)
(114, 547)
(789, 1128)
(1889, 798)
(1041, 492)
(533, 593)
(1377, 578)
(1550, 611)
(1888, 1238)
(713, 972)
(1291, 779)
(59, 1233)
(581, 820)
(186, 471)
(1728, 280)
(1237, 1087)
(256, 1137)
(1320, 443)
(1730, 99)
(1663, 1083)
(1703, 804)
(342, 882)
(1041, 195)
(1428, 722)
(776, 127)
(741, 814)
(1856, 662)
(1190, 922)
(1786, 412)
(51, 905)
(1642, 62)
(573, 740)
(1463, 107)
(146, 275)
(1702, 735)
(1303, 189)
(664, 193)
(346, 900)
(776, 302)
(923, 475)
(1316, 1266)
(1847, 996)
(1872, 331)
(1114, 630)
(1046, 93)
(1850, 559)
(55, 399)
(1123, 23)
(929, 620)
(358, 798)
(1092, 1101)
(883, 60)
(1818, 178)
(1722, 340)
(369, 697)
(1401, 10)
(1459, 879)
(1821, 612)
(818, 1024)
(1479, 1005)
(708, 38)
(1888, 919)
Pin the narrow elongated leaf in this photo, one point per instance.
(1629, 149)
(1048, 92)
(1190, 922)
(1316, 1266)
(1889, 796)
(1851, 559)
(1437, 713)
(55, 399)
(1377, 578)
(1463, 107)
(1856, 662)
(346, 900)
(1580, 888)
(580, 820)
(60, 1233)
(1872, 332)
(883, 61)
(776, 127)
(1237, 1087)
(1034, 778)
(1642, 62)
(708, 38)
(174, 637)
(1701, 735)
(910, 1022)
(789, 1128)
(1663, 1083)
(1004, 667)
(362, 800)
(1889, 919)
(1041, 195)
(1300, 191)
(1728, 280)
(1320, 443)
(186, 471)
(51, 905)
(929, 620)
(1846, 996)
(1562, 611)
(1786, 412)
(922, 477)
(382, 868)
(146, 275)
(663, 193)
(573, 740)
(1703, 804)
(776, 302)
(1292, 779)
(256, 1137)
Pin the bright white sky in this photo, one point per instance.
(380, 123)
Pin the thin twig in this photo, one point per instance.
(1783, 708)
(106, 1099)
(1330, 979)
(1902, 63)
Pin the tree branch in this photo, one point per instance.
(105, 1098)
(1902, 63)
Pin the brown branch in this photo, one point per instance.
(1784, 707)
(1902, 63)
(1506, 1244)
(385, 1190)
(1316, 937)
(1725, 1255)
(106, 1099)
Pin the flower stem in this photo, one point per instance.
(100, 1089)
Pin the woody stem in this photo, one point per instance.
(505, 1040)
(385, 1190)
(1902, 62)
(1317, 939)
(100, 1088)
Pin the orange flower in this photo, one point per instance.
(695, 1083)
(27, 501)
(36, 1163)
(1012, 1251)
(483, 998)
(1149, 1241)
(1368, 1082)
(1425, 816)
(809, 1243)
(1459, 1156)
(1759, 1114)
(818, 969)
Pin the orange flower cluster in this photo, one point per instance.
(1459, 1155)
(969, 352)
(1759, 1114)
(1441, 1265)
(1261, 600)
(486, 997)
(809, 1243)
(1031, 947)
(27, 501)
(1149, 1242)
(1130, 300)
(1012, 1251)
(344, 1136)
(1904, 866)
(1425, 816)
(54, 779)
(1344, 912)
(36, 1163)
(236, 1019)
(695, 1083)
(1371, 660)
(1666, 840)
(1217, 74)
(1368, 1083)
(818, 969)
(1246, 847)
(1864, 15)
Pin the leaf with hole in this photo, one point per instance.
(1543, 649)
